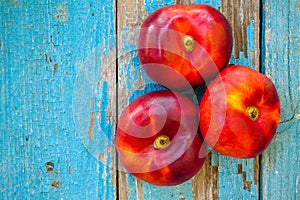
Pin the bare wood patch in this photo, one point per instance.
(140, 190)
(70, 170)
(123, 187)
(130, 15)
(54, 68)
(246, 184)
(92, 121)
(108, 75)
(56, 184)
(49, 167)
(239, 14)
(184, 2)
(206, 182)
(256, 171)
(62, 14)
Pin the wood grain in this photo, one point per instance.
(206, 184)
(67, 70)
(240, 15)
(129, 18)
(45, 46)
(280, 62)
(132, 82)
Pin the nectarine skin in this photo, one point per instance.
(158, 140)
(181, 47)
(239, 112)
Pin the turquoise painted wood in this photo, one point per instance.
(230, 180)
(59, 65)
(280, 58)
(44, 47)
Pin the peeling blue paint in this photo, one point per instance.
(43, 48)
(280, 61)
(243, 59)
(182, 191)
(38, 55)
(214, 3)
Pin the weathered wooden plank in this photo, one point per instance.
(234, 178)
(133, 82)
(58, 98)
(217, 178)
(45, 47)
(244, 17)
(280, 62)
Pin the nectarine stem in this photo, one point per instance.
(161, 142)
(252, 112)
(188, 43)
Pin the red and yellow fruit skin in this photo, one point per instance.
(224, 122)
(161, 50)
(149, 116)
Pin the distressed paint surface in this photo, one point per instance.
(280, 60)
(43, 47)
(236, 177)
(67, 69)
(132, 82)
(224, 169)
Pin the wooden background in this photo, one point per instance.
(68, 68)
